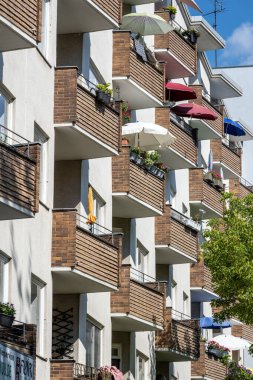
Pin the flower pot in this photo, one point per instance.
(160, 173)
(134, 157)
(215, 352)
(193, 38)
(6, 320)
(124, 141)
(153, 169)
(218, 183)
(103, 97)
(148, 167)
(172, 16)
(209, 177)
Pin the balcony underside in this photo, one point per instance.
(202, 295)
(81, 16)
(168, 255)
(127, 322)
(128, 206)
(174, 68)
(10, 210)
(137, 96)
(174, 160)
(13, 38)
(205, 132)
(74, 143)
(169, 355)
(72, 281)
(228, 173)
(195, 206)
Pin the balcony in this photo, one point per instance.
(182, 154)
(207, 129)
(179, 54)
(176, 238)
(136, 192)
(69, 369)
(88, 16)
(20, 336)
(19, 24)
(201, 283)
(85, 128)
(207, 367)
(179, 341)
(203, 195)
(139, 305)
(135, 80)
(240, 187)
(227, 157)
(19, 176)
(85, 258)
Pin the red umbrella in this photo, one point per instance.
(195, 111)
(176, 92)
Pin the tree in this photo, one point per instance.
(228, 252)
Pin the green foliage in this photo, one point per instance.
(238, 372)
(104, 87)
(170, 9)
(136, 149)
(7, 309)
(228, 252)
(151, 158)
(195, 32)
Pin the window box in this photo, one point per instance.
(6, 320)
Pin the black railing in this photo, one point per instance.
(82, 372)
(246, 184)
(20, 334)
(185, 220)
(181, 123)
(14, 141)
(145, 279)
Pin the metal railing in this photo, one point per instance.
(96, 229)
(188, 222)
(230, 145)
(145, 279)
(175, 314)
(246, 184)
(83, 372)
(181, 123)
(14, 141)
(20, 334)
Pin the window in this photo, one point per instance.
(99, 209)
(141, 367)
(236, 356)
(38, 311)
(116, 355)
(4, 277)
(142, 258)
(93, 344)
(42, 138)
(45, 30)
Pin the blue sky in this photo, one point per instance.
(235, 25)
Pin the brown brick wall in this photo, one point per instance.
(201, 276)
(25, 15)
(207, 366)
(181, 336)
(184, 145)
(75, 247)
(243, 331)
(238, 189)
(196, 184)
(19, 176)
(127, 63)
(112, 8)
(163, 227)
(225, 155)
(62, 370)
(139, 300)
(177, 45)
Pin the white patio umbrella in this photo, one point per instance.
(231, 342)
(192, 4)
(146, 24)
(147, 136)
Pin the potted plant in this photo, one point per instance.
(124, 141)
(104, 93)
(172, 11)
(216, 349)
(135, 155)
(7, 314)
(208, 177)
(126, 112)
(191, 35)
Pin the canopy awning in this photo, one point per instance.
(176, 92)
(195, 111)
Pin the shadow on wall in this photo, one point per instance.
(1, 67)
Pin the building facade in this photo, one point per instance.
(98, 254)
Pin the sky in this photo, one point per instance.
(235, 25)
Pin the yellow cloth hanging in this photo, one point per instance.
(91, 217)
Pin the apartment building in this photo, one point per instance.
(99, 255)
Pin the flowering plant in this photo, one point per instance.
(213, 345)
(215, 174)
(7, 309)
(238, 372)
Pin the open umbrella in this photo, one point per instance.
(192, 4)
(231, 342)
(145, 24)
(91, 217)
(209, 324)
(147, 136)
(233, 128)
(194, 111)
(176, 92)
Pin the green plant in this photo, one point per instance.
(151, 158)
(238, 372)
(170, 9)
(7, 309)
(188, 32)
(105, 88)
(136, 149)
(125, 112)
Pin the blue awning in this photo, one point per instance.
(233, 128)
(209, 323)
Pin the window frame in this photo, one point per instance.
(40, 313)
(99, 327)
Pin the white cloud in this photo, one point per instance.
(239, 46)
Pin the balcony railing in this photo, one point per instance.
(179, 54)
(137, 193)
(240, 187)
(20, 335)
(207, 367)
(20, 24)
(226, 155)
(135, 79)
(81, 121)
(89, 253)
(139, 304)
(82, 371)
(19, 173)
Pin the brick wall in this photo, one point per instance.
(62, 370)
(208, 367)
(238, 189)
(163, 227)
(177, 45)
(222, 153)
(201, 276)
(127, 64)
(25, 15)
(243, 331)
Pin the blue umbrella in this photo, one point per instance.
(233, 128)
(208, 323)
